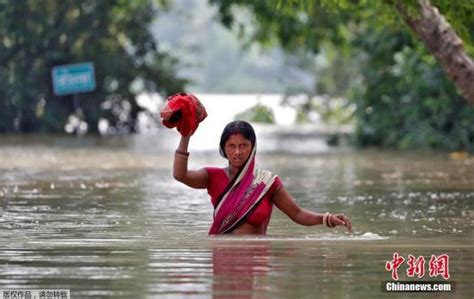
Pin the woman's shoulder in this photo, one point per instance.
(212, 170)
(218, 179)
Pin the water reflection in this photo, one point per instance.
(241, 269)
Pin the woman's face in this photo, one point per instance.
(237, 149)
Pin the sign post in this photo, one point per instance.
(73, 78)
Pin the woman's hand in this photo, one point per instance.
(340, 219)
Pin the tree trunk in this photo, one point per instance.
(445, 45)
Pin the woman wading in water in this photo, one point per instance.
(242, 195)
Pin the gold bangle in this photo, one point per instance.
(330, 224)
(325, 219)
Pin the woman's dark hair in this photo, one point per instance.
(236, 127)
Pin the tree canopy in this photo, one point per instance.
(300, 22)
(403, 97)
(308, 23)
(35, 36)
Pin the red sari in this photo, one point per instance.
(244, 198)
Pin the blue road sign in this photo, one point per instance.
(73, 78)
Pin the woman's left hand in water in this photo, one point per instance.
(341, 219)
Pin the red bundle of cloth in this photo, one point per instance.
(183, 111)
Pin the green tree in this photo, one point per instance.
(405, 100)
(38, 35)
(307, 23)
(439, 38)
(258, 113)
(402, 92)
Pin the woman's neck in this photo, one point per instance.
(232, 171)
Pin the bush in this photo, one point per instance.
(407, 101)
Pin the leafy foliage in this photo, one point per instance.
(294, 24)
(403, 98)
(258, 114)
(297, 14)
(38, 35)
(407, 101)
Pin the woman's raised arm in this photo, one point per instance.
(198, 179)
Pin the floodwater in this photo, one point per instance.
(104, 218)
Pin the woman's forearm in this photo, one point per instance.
(306, 217)
(180, 165)
(183, 143)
